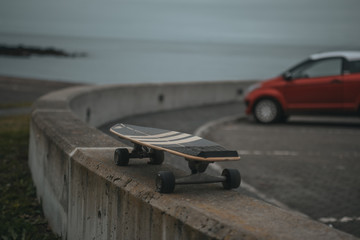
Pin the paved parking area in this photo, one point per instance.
(310, 165)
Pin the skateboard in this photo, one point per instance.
(198, 152)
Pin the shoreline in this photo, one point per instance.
(19, 90)
(25, 51)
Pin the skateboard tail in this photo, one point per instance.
(218, 154)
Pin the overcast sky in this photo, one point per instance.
(315, 21)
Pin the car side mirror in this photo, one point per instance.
(288, 76)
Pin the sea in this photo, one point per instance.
(142, 41)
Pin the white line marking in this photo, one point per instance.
(187, 140)
(95, 148)
(216, 167)
(268, 153)
(154, 136)
(176, 137)
(340, 220)
(201, 131)
(295, 153)
(73, 152)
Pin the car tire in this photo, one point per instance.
(283, 118)
(267, 111)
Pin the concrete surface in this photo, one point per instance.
(101, 104)
(84, 195)
(289, 165)
(311, 164)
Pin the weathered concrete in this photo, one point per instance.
(85, 196)
(99, 105)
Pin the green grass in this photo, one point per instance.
(15, 105)
(21, 216)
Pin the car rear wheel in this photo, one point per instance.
(267, 111)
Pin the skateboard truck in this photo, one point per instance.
(152, 143)
(199, 178)
(166, 181)
(122, 155)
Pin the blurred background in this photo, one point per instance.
(121, 41)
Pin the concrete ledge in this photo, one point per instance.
(85, 196)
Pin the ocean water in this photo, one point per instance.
(171, 41)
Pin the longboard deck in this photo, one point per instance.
(177, 143)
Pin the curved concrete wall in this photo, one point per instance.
(99, 105)
(85, 196)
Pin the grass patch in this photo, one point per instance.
(21, 216)
(15, 105)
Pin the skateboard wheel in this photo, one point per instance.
(233, 178)
(121, 157)
(156, 157)
(165, 182)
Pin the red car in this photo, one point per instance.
(324, 83)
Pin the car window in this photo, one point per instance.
(321, 68)
(354, 67)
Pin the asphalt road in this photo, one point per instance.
(310, 165)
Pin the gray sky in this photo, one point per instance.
(316, 22)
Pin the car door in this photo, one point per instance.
(316, 85)
(352, 86)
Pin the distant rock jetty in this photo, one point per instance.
(28, 51)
